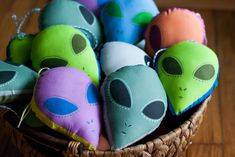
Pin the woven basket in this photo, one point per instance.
(174, 142)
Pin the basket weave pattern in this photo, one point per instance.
(172, 144)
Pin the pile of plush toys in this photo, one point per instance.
(121, 62)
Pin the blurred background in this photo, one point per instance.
(216, 137)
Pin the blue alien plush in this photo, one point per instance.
(125, 20)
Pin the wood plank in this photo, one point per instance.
(212, 119)
(7, 26)
(205, 150)
(198, 4)
(229, 150)
(225, 25)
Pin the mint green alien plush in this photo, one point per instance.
(189, 73)
(16, 82)
(134, 104)
(70, 12)
(63, 45)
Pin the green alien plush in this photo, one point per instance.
(16, 82)
(189, 74)
(134, 104)
(70, 12)
(19, 49)
(63, 45)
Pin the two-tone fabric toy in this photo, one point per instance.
(66, 100)
(63, 45)
(126, 20)
(172, 26)
(134, 104)
(189, 74)
(16, 82)
(70, 12)
(115, 55)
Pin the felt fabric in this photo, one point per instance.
(63, 45)
(69, 12)
(16, 82)
(189, 73)
(62, 101)
(115, 55)
(134, 104)
(172, 26)
(19, 49)
(94, 5)
(126, 20)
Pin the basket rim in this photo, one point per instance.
(71, 146)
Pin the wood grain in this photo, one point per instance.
(205, 150)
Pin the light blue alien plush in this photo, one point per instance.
(16, 82)
(125, 20)
(134, 104)
(69, 12)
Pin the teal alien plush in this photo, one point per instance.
(134, 104)
(189, 73)
(63, 45)
(16, 82)
(69, 12)
(115, 55)
(126, 20)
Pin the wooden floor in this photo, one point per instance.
(216, 137)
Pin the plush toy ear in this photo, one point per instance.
(122, 98)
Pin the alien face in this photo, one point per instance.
(115, 55)
(171, 27)
(135, 104)
(16, 82)
(189, 73)
(126, 20)
(66, 100)
(64, 46)
(67, 12)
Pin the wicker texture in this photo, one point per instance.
(172, 144)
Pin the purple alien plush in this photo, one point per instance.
(66, 100)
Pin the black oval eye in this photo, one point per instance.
(6, 76)
(154, 110)
(120, 93)
(78, 43)
(171, 66)
(205, 72)
(155, 38)
(87, 15)
(148, 61)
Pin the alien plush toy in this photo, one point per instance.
(189, 74)
(66, 100)
(16, 82)
(134, 104)
(94, 5)
(125, 20)
(69, 12)
(115, 55)
(63, 45)
(172, 26)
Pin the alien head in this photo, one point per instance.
(63, 45)
(173, 26)
(115, 55)
(19, 49)
(189, 73)
(69, 12)
(16, 82)
(135, 104)
(66, 100)
(94, 5)
(125, 20)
